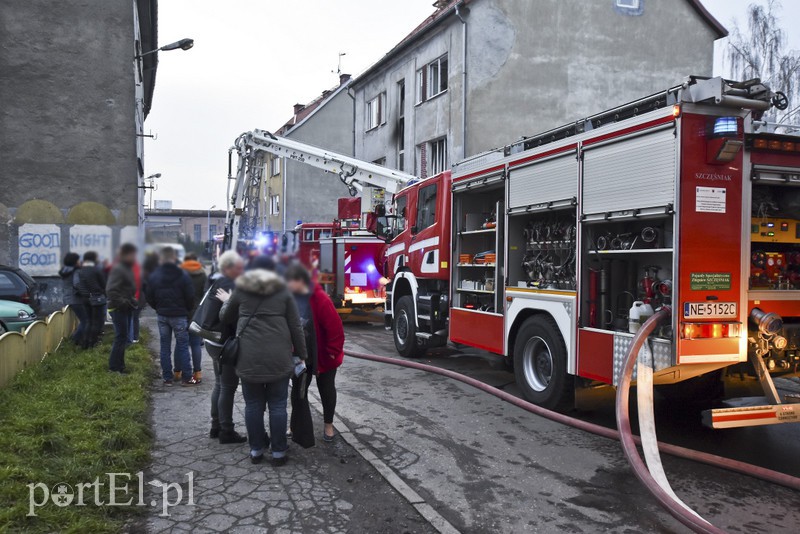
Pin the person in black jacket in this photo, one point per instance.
(231, 267)
(90, 292)
(121, 293)
(170, 293)
(69, 276)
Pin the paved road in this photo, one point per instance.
(490, 467)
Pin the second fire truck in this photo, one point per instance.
(553, 250)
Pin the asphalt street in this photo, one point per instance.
(487, 466)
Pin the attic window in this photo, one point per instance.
(629, 7)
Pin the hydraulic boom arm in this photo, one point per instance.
(251, 148)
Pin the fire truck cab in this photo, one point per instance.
(553, 250)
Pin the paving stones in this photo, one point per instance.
(311, 494)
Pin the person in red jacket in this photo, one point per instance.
(330, 340)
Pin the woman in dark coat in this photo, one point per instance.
(330, 342)
(270, 334)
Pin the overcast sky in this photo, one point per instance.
(254, 59)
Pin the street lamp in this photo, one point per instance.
(152, 186)
(208, 224)
(183, 44)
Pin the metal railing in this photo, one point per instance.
(19, 351)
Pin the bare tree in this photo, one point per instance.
(761, 52)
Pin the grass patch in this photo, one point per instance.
(70, 420)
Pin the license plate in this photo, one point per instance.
(710, 310)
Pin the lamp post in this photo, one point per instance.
(208, 223)
(152, 186)
(183, 44)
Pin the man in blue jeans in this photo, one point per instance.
(121, 300)
(171, 294)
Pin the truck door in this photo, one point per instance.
(424, 250)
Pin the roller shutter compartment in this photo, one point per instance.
(548, 181)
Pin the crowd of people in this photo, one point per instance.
(284, 327)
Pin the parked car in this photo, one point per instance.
(19, 286)
(15, 316)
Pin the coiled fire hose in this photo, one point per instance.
(713, 460)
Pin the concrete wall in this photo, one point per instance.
(68, 142)
(311, 194)
(533, 65)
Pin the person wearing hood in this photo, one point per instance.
(170, 293)
(90, 290)
(199, 279)
(69, 277)
(270, 334)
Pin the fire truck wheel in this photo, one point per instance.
(405, 329)
(540, 363)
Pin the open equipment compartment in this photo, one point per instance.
(478, 236)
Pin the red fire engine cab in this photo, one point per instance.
(554, 250)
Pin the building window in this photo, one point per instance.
(437, 156)
(212, 231)
(376, 111)
(274, 204)
(198, 233)
(437, 77)
(629, 7)
(275, 166)
(401, 126)
(432, 79)
(426, 207)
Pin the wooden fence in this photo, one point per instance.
(19, 351)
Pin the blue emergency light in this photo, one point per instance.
(725, 126)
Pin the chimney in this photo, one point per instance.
(344, 78)
(298, 108)
(325, 94)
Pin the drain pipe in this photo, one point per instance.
(460, 13)
(653, 478)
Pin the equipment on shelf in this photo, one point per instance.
(644, 238)
(549, 260)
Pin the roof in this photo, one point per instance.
(214, 214)
(444, 13)
(148, 31)
(709, 19)
(308, 110)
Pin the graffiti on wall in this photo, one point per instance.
(85, 237)
(40, 249)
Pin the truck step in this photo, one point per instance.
(744, 416)
(424, 335)
(424, 317)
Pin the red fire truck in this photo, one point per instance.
(553, 250)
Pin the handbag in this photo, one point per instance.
(97, 299)
(229, 354)
(206, 318)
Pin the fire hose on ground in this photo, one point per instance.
(628, 440)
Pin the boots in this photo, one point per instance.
(177, 373)
(232, 436)
(198, 376)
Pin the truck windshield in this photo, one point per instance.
(399, 220)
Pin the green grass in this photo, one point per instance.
(70, 420)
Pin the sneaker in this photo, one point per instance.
(226, 438)
(134, 341)
(198, 376)
(190, 382)
(328, 439)
(213, 433)
(168, 383)
(256, 458)
(280, 462)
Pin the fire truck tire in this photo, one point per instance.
(540, 363)
(405, 329)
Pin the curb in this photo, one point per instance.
(407, 492)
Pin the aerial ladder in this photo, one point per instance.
(243, 218)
